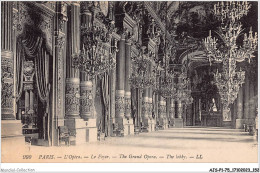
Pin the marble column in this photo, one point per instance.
(239, 116)
(251, 102)
(246, 98)
(11, 129)
(168, 109)
(145, 109)
(7, 62)
(72, 103)
(31, 101)
(156, 105)
(112, 97)
(172, 112)
(120, 84)
(179, 109)
(161, 111)
(184, 114)
(86, 83)
(27, 101)
(127, 84)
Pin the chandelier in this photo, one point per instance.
(142, 75)
(228, 52)
(166, 81)
(96, 57)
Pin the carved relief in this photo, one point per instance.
(7, 96)
(145, 109)
(72, 100)
(7, 90)
(7, 68)
(86, 99)
(120, 104)
(127, 107)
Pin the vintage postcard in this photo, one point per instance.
(129, 82)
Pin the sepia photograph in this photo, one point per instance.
(129, 82)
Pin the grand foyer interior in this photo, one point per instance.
(112, 69)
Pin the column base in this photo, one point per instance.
(178, 123)
(129, 128)
(12, 135)
(86, 131)
(240, 123)
(124, 127)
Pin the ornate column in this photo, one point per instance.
(161, 111)
(172, 113)
(11, 129)
(184, 111)
(31, 100)
(239, 118)
(127, 75)
(251, 101)
(28, 88)
(179, 109)
(150, 110)
(168, 109)
(72, 78)
(179, 120)
(128, 65)
(246, 98)
(7, 62)
(86, 84)
(145, 110)
(59, 63)
(120, 83)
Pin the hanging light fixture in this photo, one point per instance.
(166, 83)
(142, 75)
(95, 58)
(229, 80)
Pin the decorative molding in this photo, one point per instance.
(120, 103)
(72, 100)
(127, 105)
(86, 99)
